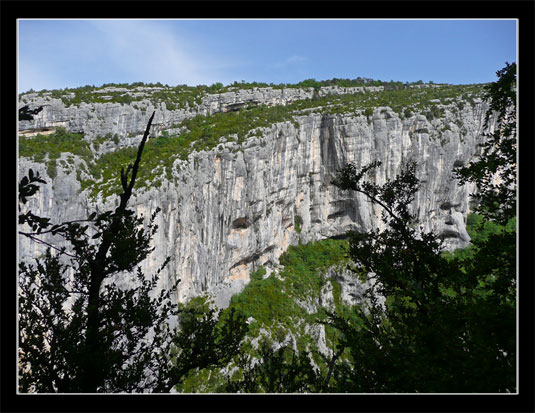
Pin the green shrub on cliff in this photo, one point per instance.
(53, 145)
(271, 306)
(206, 132)
(272, 299)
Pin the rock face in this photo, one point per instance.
(234, 208)
(116, 118)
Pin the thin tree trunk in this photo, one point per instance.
(93, 376)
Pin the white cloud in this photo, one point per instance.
(150, 50)
(78, 52)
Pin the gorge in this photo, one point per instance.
(240, 201)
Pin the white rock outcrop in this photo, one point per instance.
(235, 208)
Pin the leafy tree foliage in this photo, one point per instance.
(277, 371)
(25, 113)
(80, 331)
(434, 322)
(86, 334)
(447, 325)
(206, 340)
(495, 170)
(27, 188)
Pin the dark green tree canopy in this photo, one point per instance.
(79, 331)
(496, 169)
(25, 113)
(434, 321)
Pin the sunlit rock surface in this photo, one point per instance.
(234, 208)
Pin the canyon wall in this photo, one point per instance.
(236, 207)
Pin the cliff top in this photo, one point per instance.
(102, 126)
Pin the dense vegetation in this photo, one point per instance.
(90, 93)
(80, 331)
(480, 230)
(207, 132)
(48, 148)
(179, 97)
(278, 306)
(188, 97)
(447, 324)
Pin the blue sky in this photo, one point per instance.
(54, 54)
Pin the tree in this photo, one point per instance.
(25, 113)
(214, 87)
(276, 371)
(79, 330)
(206, 341)
(448, 322)
(434, 322)
(495, 170)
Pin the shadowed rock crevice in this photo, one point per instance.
(241, 223)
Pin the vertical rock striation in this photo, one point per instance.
(233, 208)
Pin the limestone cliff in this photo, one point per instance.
(237, 206)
